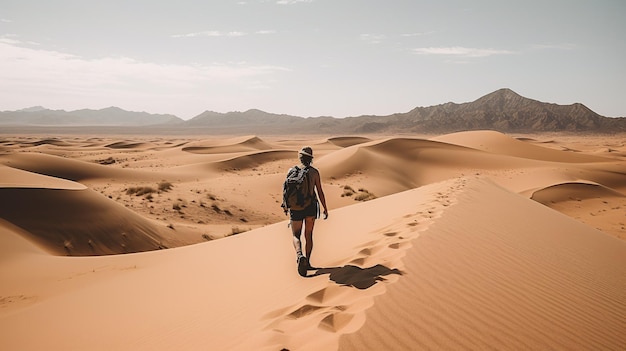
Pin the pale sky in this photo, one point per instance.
(308, 57)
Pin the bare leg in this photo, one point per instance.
(308, 235)
(296, 228)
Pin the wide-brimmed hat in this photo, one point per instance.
(306, 151)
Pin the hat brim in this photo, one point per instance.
(305, 153)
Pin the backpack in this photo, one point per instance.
(297, 192)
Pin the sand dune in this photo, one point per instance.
(66, 168)
(240, 144)
(16, 178)
(127, 145)
(458, 247)
(348, 141)
(254, 159)
(79, 222)
(499, 143)
(574, 191)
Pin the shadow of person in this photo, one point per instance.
(360, 278)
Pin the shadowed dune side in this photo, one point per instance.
(130, 145)
(573, 191)
(501, 272)
(498, 143)
(78, 222)
(219, 164)
(240, 144)
(348, 141)
(55, 142)
(254, 159)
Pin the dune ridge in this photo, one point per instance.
(491, 141)
(239, 144)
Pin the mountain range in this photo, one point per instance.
(503, 110)
(110, 116)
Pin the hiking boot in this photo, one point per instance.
(303, 265)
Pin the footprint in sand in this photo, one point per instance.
(396, 246)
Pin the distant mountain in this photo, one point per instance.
(241, 119)
(110, 116)
(33, 109)
(506, 111)
(503, 110)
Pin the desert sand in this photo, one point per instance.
(472, 240)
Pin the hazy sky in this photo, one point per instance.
(308, 57)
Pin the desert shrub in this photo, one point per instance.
(176, 207)
(347, 191)
(236, 230)
(216, 208)
(364, 195)
(107, 161)
(165, 186)
(140, 190)
(206, 237)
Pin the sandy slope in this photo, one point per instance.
(500, 272)
(480, 276)
(461, 249)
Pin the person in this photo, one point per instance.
(307, 216)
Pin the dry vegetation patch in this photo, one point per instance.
(359, 195)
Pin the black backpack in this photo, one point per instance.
(297, 192)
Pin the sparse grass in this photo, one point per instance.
(216, 208)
